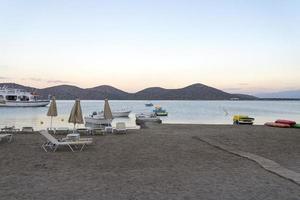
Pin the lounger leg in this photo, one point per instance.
(82, 147)
(71, 148)
(55, 148)
(10, 138)
(43, 146)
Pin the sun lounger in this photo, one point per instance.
(9, 129)
(52, 143)
(76, 137)
(61, 130)
(6, 136)
(85, 131)
(108, 129)
(97, 131)
(120, 127)
(27, 129)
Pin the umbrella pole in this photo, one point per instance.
(74, 128)
(51, 123)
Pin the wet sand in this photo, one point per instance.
(164, 162)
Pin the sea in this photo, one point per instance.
(180, 112)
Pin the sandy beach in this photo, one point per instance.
(163, 162)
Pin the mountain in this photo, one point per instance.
(15, 85)
(103, 91)
(292, 94)
(193, 92)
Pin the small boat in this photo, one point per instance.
(116, 114)
(149, 104)
(142, 118)
(158, 111)
(243, 120)
(285, 121)
(121, 113)
(10, 97)
(278, 125)
(97, 118)
(296, 126)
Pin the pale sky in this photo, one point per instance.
(235, 45)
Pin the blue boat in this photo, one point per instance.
(149, 104)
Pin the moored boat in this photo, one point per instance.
(97, 118)
(11, 97)
(121, 113)
(243, 120)
(115, 114)
(278, 125)
(149, 104)
(144, 118)
(296, 126)
(285, 121)
(158, 111)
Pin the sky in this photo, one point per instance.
(239, 46)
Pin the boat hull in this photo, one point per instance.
(244, 122)
(97, 121)
(117, 114)
(121, 114)
(142, 119)
(285, 121)
(24, 104)
(146, 120)
(161, 114)
(278, 125)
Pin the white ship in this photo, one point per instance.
(10, 97)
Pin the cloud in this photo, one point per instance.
(3, 78)
(47, 81)
(243, 83)
(36, 79)
(233, 89)
(57, 81)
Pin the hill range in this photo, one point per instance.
(193, 92)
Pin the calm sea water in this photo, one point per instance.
(196, 112)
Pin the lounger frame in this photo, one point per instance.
(53, 144)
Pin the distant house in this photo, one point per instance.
(234, 99)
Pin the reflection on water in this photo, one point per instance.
(197, 112)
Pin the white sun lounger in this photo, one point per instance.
(61, 130)
(6, 136)
(121, 127)
(52, 143)
(27, 129)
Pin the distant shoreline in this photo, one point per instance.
(262, 99)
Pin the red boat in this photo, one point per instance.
(285, 121)
(278, 125)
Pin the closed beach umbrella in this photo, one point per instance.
(52, 112)
(76, 114)
(107, 110)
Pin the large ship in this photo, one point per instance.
(11, 97)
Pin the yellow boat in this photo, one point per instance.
(243, 120)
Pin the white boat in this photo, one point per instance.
(97, 118)
(121, 113)
(10, 97)
(116, 114)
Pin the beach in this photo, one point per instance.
(168, 161)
